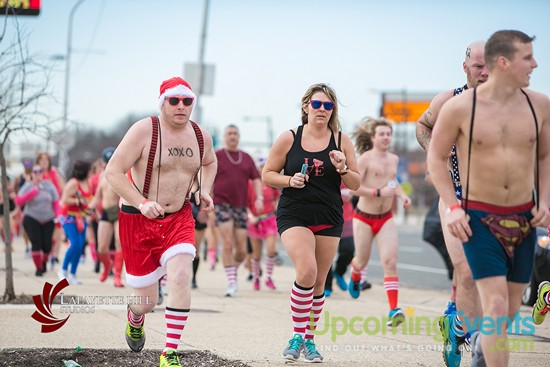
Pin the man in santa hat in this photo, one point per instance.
(161, 164)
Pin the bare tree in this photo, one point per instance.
(23, 90)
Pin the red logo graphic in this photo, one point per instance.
(44, 306)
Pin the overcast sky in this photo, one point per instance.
(267, 53)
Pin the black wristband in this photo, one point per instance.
(378, 192)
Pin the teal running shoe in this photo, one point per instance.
(310, 352)
(294, 347)
(340, 281)
(452, 353)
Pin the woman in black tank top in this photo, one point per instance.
(309, 163)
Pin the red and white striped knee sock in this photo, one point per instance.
(269, 265)
(135, 320)
(231, 273)
(391, 284)
(175, 323)
(301, 301)
(316, 309)
(363, 274)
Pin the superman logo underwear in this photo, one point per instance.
(509, 230)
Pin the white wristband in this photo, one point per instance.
(142, 204)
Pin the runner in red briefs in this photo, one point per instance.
(374, 221)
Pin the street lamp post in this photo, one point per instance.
(202, 48)
(63, 159)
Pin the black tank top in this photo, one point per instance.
(320, 200)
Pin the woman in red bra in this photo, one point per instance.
(74, 200)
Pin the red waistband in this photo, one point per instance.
(373, 216)
(496, 209)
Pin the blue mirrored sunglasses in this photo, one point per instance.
(317, 104)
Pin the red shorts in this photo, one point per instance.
(148, 243)
(375, 221)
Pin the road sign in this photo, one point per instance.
(191, 72)
(405, 107)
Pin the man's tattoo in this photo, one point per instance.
(427, 117)
(424, 138)
(180, 152)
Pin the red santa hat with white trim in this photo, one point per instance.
(175, 86)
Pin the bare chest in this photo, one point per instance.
(380, 169)
(509, 128)
(174, 160)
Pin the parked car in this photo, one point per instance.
(541, 268)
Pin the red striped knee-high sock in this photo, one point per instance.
(391, 284)
(363, 274)
(269, 264)
(135, 320)
(175, 323)
(316, 309)
(301, 301)
(231, 273)
(255, 266)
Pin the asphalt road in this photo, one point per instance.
(419, 263)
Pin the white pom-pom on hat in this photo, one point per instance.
(175, 86)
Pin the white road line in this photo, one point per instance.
(425, 269)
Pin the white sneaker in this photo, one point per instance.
(73, 279)
(62, 275)
(231, 290)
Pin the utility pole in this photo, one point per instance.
(202, 48)
(63, 159)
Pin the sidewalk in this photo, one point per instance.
(253, 327)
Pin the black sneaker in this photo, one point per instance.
(365, 285)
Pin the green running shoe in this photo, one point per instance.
(540, 308)
(170, 359)
(135, 337)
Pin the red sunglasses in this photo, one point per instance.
(174, 101)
